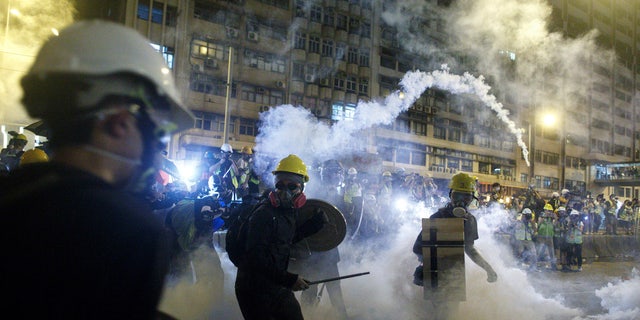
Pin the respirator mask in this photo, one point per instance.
(460, 201)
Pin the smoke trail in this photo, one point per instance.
(287, 129)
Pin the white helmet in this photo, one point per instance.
(555, 194)
(352, 170)
(226, 148)
(526, 211)
(98, 49)
(564, 191)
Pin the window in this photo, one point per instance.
(204, 49)
(300, 40)
(167, 54)
(338, 81)
(316, 13)
(341, 49)
(261, 95)
(314, 44)
(208, 121)
(341, 22)
(352, 56)
(439, 132)
(364, 57)
(363, 86)
(329, 17)
(327, 48)
(248, 127)
(351, 83)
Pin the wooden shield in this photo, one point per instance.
(332, 233)
(443, 259)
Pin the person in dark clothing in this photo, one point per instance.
(264, 288)
(461, 193)
(81, 241)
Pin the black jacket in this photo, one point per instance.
(271, 233)
(75, 247)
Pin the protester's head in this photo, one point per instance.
(226, 151)
(19, 142)
(101, 86)
(33, 156)
(289, 177)
(462, 188)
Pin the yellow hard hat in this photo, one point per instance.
(463, 182)
(293, 164)
(548, 206)
(246, 150)
(21, 137)
(33, 156)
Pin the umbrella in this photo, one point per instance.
(38, 128)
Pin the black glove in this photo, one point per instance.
(319, 219)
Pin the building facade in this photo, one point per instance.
(236, 59)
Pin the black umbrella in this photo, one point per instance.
(38, 128)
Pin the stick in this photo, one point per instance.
(338, 278)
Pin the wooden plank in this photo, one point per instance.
(443, 259)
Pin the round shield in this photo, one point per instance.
(332, 233)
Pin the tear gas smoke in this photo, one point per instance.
(23, 35)
(291, 130)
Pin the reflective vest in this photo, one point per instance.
(545, 229)
(574, 235)
(524, 231)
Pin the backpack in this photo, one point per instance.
(236, 237)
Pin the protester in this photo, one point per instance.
(264, 287)
(83, 243)
(525, 232)
(461, 194)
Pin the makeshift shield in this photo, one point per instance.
(332, 233)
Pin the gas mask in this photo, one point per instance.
(288, 195)
(460, 201)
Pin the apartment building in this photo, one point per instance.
(236, 59)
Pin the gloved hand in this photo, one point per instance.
(300, 284)
(319, 219)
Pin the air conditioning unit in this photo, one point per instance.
(211, 63)
(326, 82)
(232, 33)
(280, 84)
(309, 78)
(264, 108)
(253, 36)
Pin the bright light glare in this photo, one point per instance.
(187, 170)
(549, 119)
(15, 12)
(401, 204)
(55, 32)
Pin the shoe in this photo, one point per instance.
(579, 269)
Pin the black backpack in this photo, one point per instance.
(236, 238)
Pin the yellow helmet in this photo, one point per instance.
(463, 182)
(246, 150)
(33, 156)
(293, 164)
(548, 206)
(21, 137)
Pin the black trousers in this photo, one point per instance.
(265, 303)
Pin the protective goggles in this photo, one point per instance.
(457, 197)
(291, 186)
